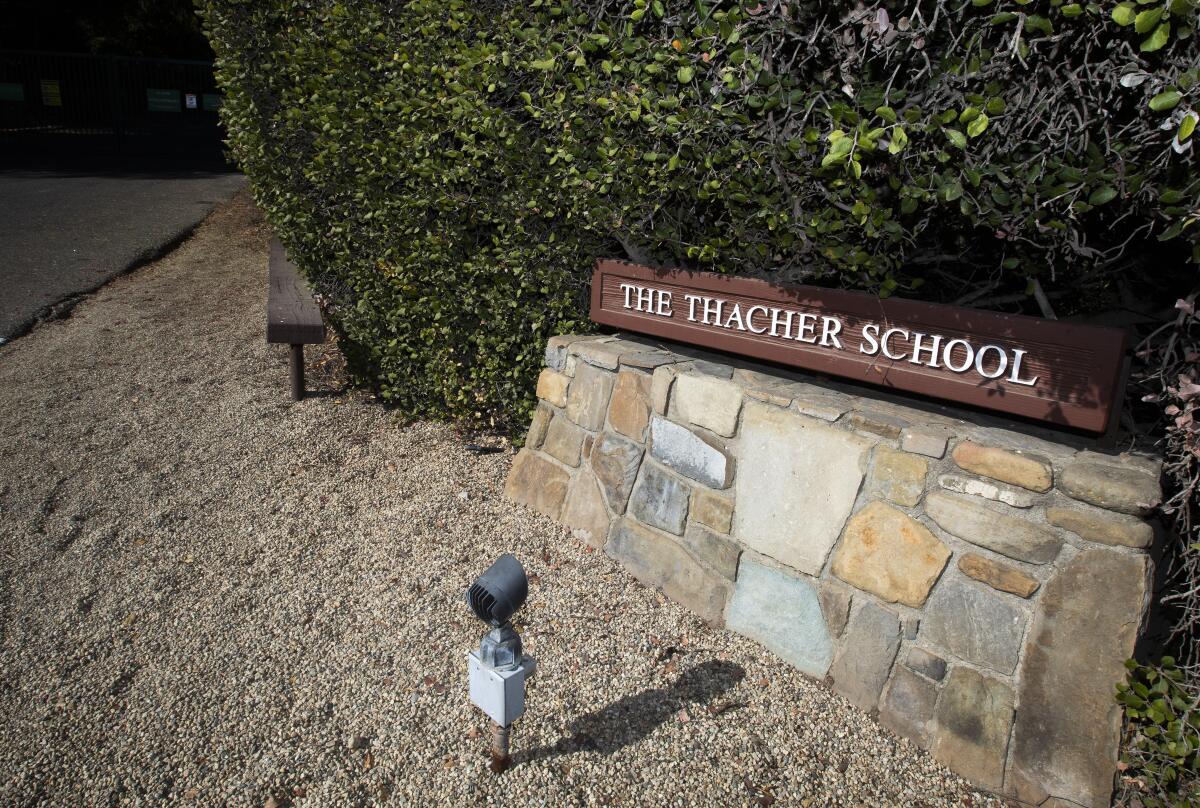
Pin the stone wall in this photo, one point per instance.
(975, 587)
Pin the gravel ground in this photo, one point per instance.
(212, 596)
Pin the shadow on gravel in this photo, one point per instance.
(630, 719)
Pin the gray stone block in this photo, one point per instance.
(923, 440)
(1102, 526)
(835, 604)
(974, 717)
(868, 649)
(988, 527)
(556, 348)
(929, 665)
(689, 454)
(783, 613)
(615, 462)
(656, 560)
(713, 549)
(1068, 728)
(660, 500)
(975, 623)
(1117, 488)
(908, 705)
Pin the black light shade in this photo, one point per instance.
(496, 595)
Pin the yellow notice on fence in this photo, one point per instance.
(51, 93)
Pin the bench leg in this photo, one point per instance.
(297, 366)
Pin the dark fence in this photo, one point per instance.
(115, 104)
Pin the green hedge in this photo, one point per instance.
(447, 171)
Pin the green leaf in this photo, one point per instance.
(1036, 22)
(887, 113)
(1186, 127)
(967, 115)
(951, 191)
(1146, 20)
(1071, 10)
(975, 128)
(956, 137)
(684, 74)
(1124, 14)
(659, 10)
(899, 140)
(1103, 194)
(1165, 100)
(1156, 40)
(542, 64)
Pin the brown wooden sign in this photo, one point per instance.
(1059, 372)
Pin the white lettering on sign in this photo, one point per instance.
(897, 344)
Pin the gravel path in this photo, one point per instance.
(212, 596)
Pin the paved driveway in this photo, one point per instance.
(64, 233)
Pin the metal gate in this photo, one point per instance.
(116, 104)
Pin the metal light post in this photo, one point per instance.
(497, 671)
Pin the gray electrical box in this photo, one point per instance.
(499, 692)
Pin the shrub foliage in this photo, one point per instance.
(447, 171)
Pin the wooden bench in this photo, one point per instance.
(293, 317)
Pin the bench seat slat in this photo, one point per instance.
(293, 317)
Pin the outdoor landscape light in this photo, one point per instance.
(496, 673)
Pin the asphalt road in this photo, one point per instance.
(64, 233)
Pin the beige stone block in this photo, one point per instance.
(538, 426)
(898, 476)
(712, 510)
(603, 353)
(537, 482)
(552, 387)
(708, 402)
(1025, 470)
(886, 552)
(1018, 498)
(629, 412)
(878, 423)
(564, 441)
(661, 382)
(584, 511)
(998, 576)
(817, 404)
(587, 399)
(796, 484)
